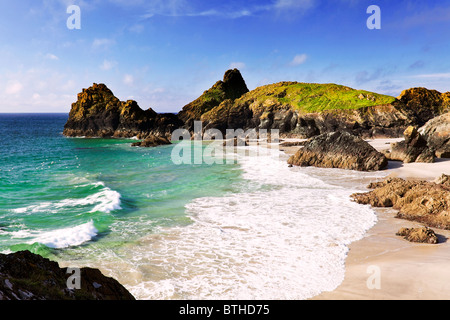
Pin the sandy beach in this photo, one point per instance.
(404, 270)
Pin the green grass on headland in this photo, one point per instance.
(312, 97)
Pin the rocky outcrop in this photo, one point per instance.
(27, 276)
(413, 149)
(152, 141)
(424, 104)
(421, 201)
(301, 110)
(307, 110)
(98, 113)
(420, 235)
(437, 134)
(339, 150)
(232, 87)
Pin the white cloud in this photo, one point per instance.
(294, 4)
(128, 79)
(51, 56)
(13, 87)
(299, 59)
(108, 65)
(102, 43)
(237, 65)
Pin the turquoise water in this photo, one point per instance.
(252, 229)
(58, 192)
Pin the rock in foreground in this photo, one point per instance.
(420, 235)
(339, 150)
(421, 201)
(27, 276)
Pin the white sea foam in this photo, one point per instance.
(105, 200)
(66, 237)
(285, 236)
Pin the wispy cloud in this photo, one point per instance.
(128, 79)
(108, 65)
(179, 8)
(51, 56)
(433, 75)
(102, 43)
(298, 60)
(424, 15)
(13, 87)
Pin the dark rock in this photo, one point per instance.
(339, 150)
(413, 149)
(98, 113)
(232, 87)
(152, 141)
(27, 276)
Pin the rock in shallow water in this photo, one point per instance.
(339, 150)
(152, 141)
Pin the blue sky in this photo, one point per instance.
(165, 53)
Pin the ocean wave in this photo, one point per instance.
(106, 200)
(66, 237)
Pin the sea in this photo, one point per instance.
(248, 229)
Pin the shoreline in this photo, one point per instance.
(407, 271)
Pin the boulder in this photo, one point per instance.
(413, 149)
(437, 134)
(420, 235)
(27, 276)
(152, 141)
(421, 201)
(339, 150)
